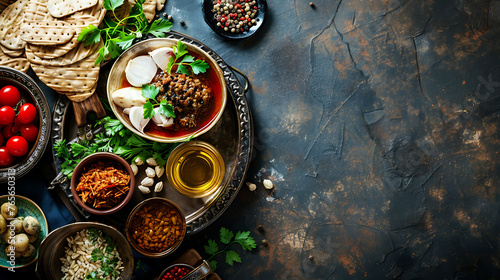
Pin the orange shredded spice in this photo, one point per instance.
(103, 185)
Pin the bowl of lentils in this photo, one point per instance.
(235, 19)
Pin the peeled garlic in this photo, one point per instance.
(136, 116)
(251, 186)
(162, 56)
(140, 70)
(134, 168)
(143, 189)
(268, 184)
(148, 182)
(139, 161)
(159, 171)
(150, 172)
(159, 187)
(128, 97)
(151, 161)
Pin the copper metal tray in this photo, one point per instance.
(232, 136)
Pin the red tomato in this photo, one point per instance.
(7, 115)
(7, 131)
(1, 139)
(9, 96)
(17, 146)
(6, 159)
(27, 113)
(29, 132)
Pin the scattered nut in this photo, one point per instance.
(134, 168)
(159, 171)
(139, 161)
(151, 161)
(170, 18)
(264, 242)
(251, 186)
(268, 184)
(311, 4)
(150, 172)
(143, 189)
(148, 182)
(159, 187)
(311, 257)
(183, 23)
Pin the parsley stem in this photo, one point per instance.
(222, 251)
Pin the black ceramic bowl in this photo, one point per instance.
(30, 93)
(212, 21)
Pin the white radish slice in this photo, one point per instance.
(136, 116)
(128, 97)
(162, 56)
(140, 70)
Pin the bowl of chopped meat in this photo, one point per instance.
(166, 90)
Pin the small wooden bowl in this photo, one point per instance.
(103, 156)
(132, 216)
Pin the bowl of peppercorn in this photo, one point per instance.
(235, 19)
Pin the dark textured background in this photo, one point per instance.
(378, 122)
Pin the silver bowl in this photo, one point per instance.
(30, 92)
(52, 248)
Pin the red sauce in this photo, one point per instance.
(204, 120)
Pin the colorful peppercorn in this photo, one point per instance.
(235, 16)
(176, 273)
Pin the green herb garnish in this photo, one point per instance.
(119, 34)
(180, 52)
(150, 92)
(226, 237)
(116, 139)
(108, 261)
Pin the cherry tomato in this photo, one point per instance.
(29, 132)
(6, 159)
(7, 115)
(9, 96)
(17, 146)
(7, 132)
(27, 113)
(1, 139)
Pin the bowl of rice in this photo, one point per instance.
(85, 250)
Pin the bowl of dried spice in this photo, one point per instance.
(102, 183)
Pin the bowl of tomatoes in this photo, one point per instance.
(24, 124)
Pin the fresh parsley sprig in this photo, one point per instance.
(117, 33)
(116, 139)
(180, 52)
(108, 261)
(226, 237)
(150, 92)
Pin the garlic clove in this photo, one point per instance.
(138, 161)
(134, 168)
(140, 70)
(268, 184)
(251, 186)
(143, 189)
(136, 117)
(151, 161)
(150, 172)
(159, 171)
(162, 56)
(128, 97)
(148, 182)
(159, 187)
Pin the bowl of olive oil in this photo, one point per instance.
(195, 168)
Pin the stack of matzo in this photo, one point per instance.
(43, 34)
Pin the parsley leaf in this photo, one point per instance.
(149, 110)
(245, 240)
(90, 35)
(111, 5)
(166, 109)
(232, 256)
(211, 248)
(226, 235)
(159, 27)
(150, 91)
(198, 66)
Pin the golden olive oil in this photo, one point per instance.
(195, 169)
